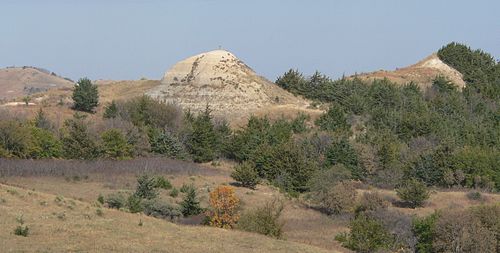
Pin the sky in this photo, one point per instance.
(131, 39)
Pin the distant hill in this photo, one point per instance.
(218, 78)
(22, 81)
(421, 73)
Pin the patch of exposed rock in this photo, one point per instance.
(421, 73)
(225, 83)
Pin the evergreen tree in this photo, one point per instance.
(85, 95)
(165, 143)
(443, 84)
(41, 120)
(203, 138)
(77, 143)
(111, 111)
(146, 187)
(292, 81)
(342, 152)
(333, 120)
(115, 145)
(190, 204)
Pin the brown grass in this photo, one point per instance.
(73, 226)
(302, 224)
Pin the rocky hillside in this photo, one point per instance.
(23, 81)
(221, 80)
(421, 73)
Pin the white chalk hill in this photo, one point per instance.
(225, 83)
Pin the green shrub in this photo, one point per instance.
(134, 204)
(21, 229)
(413, 192)
(264, 220)
(174, 193)
(246, 174)
(423, 228)
(190, 205)
(146, 187)
(366, 235)
(14, 139)
(159, 209)
(115, 200)
(163, 183)
(474, 195)
(115, 145)
(185, 188)
(44, 144)
(100, 199)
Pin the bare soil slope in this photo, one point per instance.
(22, 81)
(421, 73)
(221, 80)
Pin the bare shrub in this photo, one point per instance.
(399, 226)
(460, 231)
(371, 201)
(340, 198)
(106, 168)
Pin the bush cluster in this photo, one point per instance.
(264, 220)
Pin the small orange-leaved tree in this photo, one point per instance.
(224, 205)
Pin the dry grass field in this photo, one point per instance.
(60, 224)
(33, 189)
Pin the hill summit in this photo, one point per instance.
(422, 73)
(221, 80)
(22, 81)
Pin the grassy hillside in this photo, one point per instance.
(31, 188)
(59, 224)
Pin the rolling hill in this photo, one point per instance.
(59, 224)
(422, 73)
(23, 81)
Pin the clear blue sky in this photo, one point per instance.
(133, 39)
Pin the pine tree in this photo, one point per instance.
(146, 187)
(203, 138)
(111, 111)
(41, 120)
(77, 143)
(333, 120)
(190, 204)
(85, 95)
(165, 143)
(115, 145)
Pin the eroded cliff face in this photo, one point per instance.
(222, 81)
